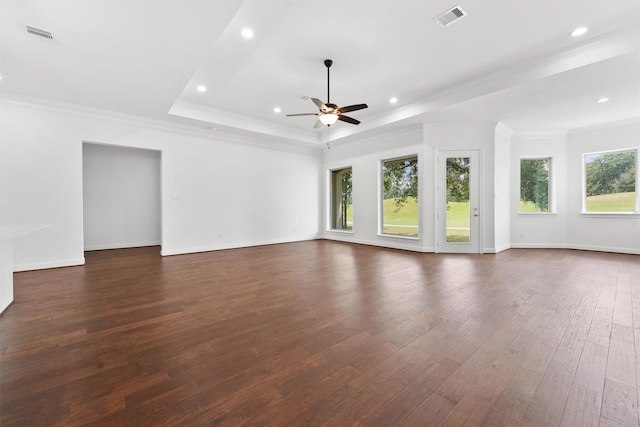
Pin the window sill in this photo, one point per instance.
(538, 214)
(629, 215)
(398, 236)
(333, 230)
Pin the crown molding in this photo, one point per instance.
(378, 136)
(239, 128)
(219, 134)
(504, 130)
(463, 125)
(539, 135)
(617, 123)
(607, 46)
(208, 114)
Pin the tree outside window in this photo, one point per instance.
(341, 203)
(610, 181)
(458, 216)
(400, 197)
(534, 185)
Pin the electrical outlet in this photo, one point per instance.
(521, 234)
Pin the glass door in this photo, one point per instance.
(458, 209)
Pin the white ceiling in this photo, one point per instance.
(559, 102)
(508, 61)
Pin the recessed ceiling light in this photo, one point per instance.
(393, 100)
(202, 88)
(601, 100)
(247, 33)
(277, 110)
(579, 31)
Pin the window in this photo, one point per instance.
(341, 205)
(535, 185)
(458, 215)
(400, 197)
(610, 182)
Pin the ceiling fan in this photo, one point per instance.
(330, 113)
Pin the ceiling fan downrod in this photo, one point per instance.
(328, 63)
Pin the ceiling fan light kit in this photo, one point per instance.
(328, 119)
(331, 113)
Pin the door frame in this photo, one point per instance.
(440, 235)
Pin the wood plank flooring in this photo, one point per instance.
(324, 333)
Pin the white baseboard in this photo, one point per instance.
(630, 251)
(46, 265)
(391, 245)
(496, 250)
(183, 251)
(382, 244)
(120, 246)
(539, 246)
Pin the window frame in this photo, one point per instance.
(382, 162)
(331, 198)
(583, 196)
(551, 194)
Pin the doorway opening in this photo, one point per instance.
(121, 197)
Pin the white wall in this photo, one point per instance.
(567, 226)
(502, 188)
(6, 273)
(222, 190)
(41, 183)
(364, 156)
(121, 197)
(218, 190)
(540, 230)
(502, 224)
(466, 136)
(592, 231)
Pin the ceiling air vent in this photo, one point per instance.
(40, 33)
(450, 16)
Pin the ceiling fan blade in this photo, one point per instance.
(302, 114)
(319, 103)
(352, 108)
(318, 124)
(349, 120)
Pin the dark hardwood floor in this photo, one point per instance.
(324, 333)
